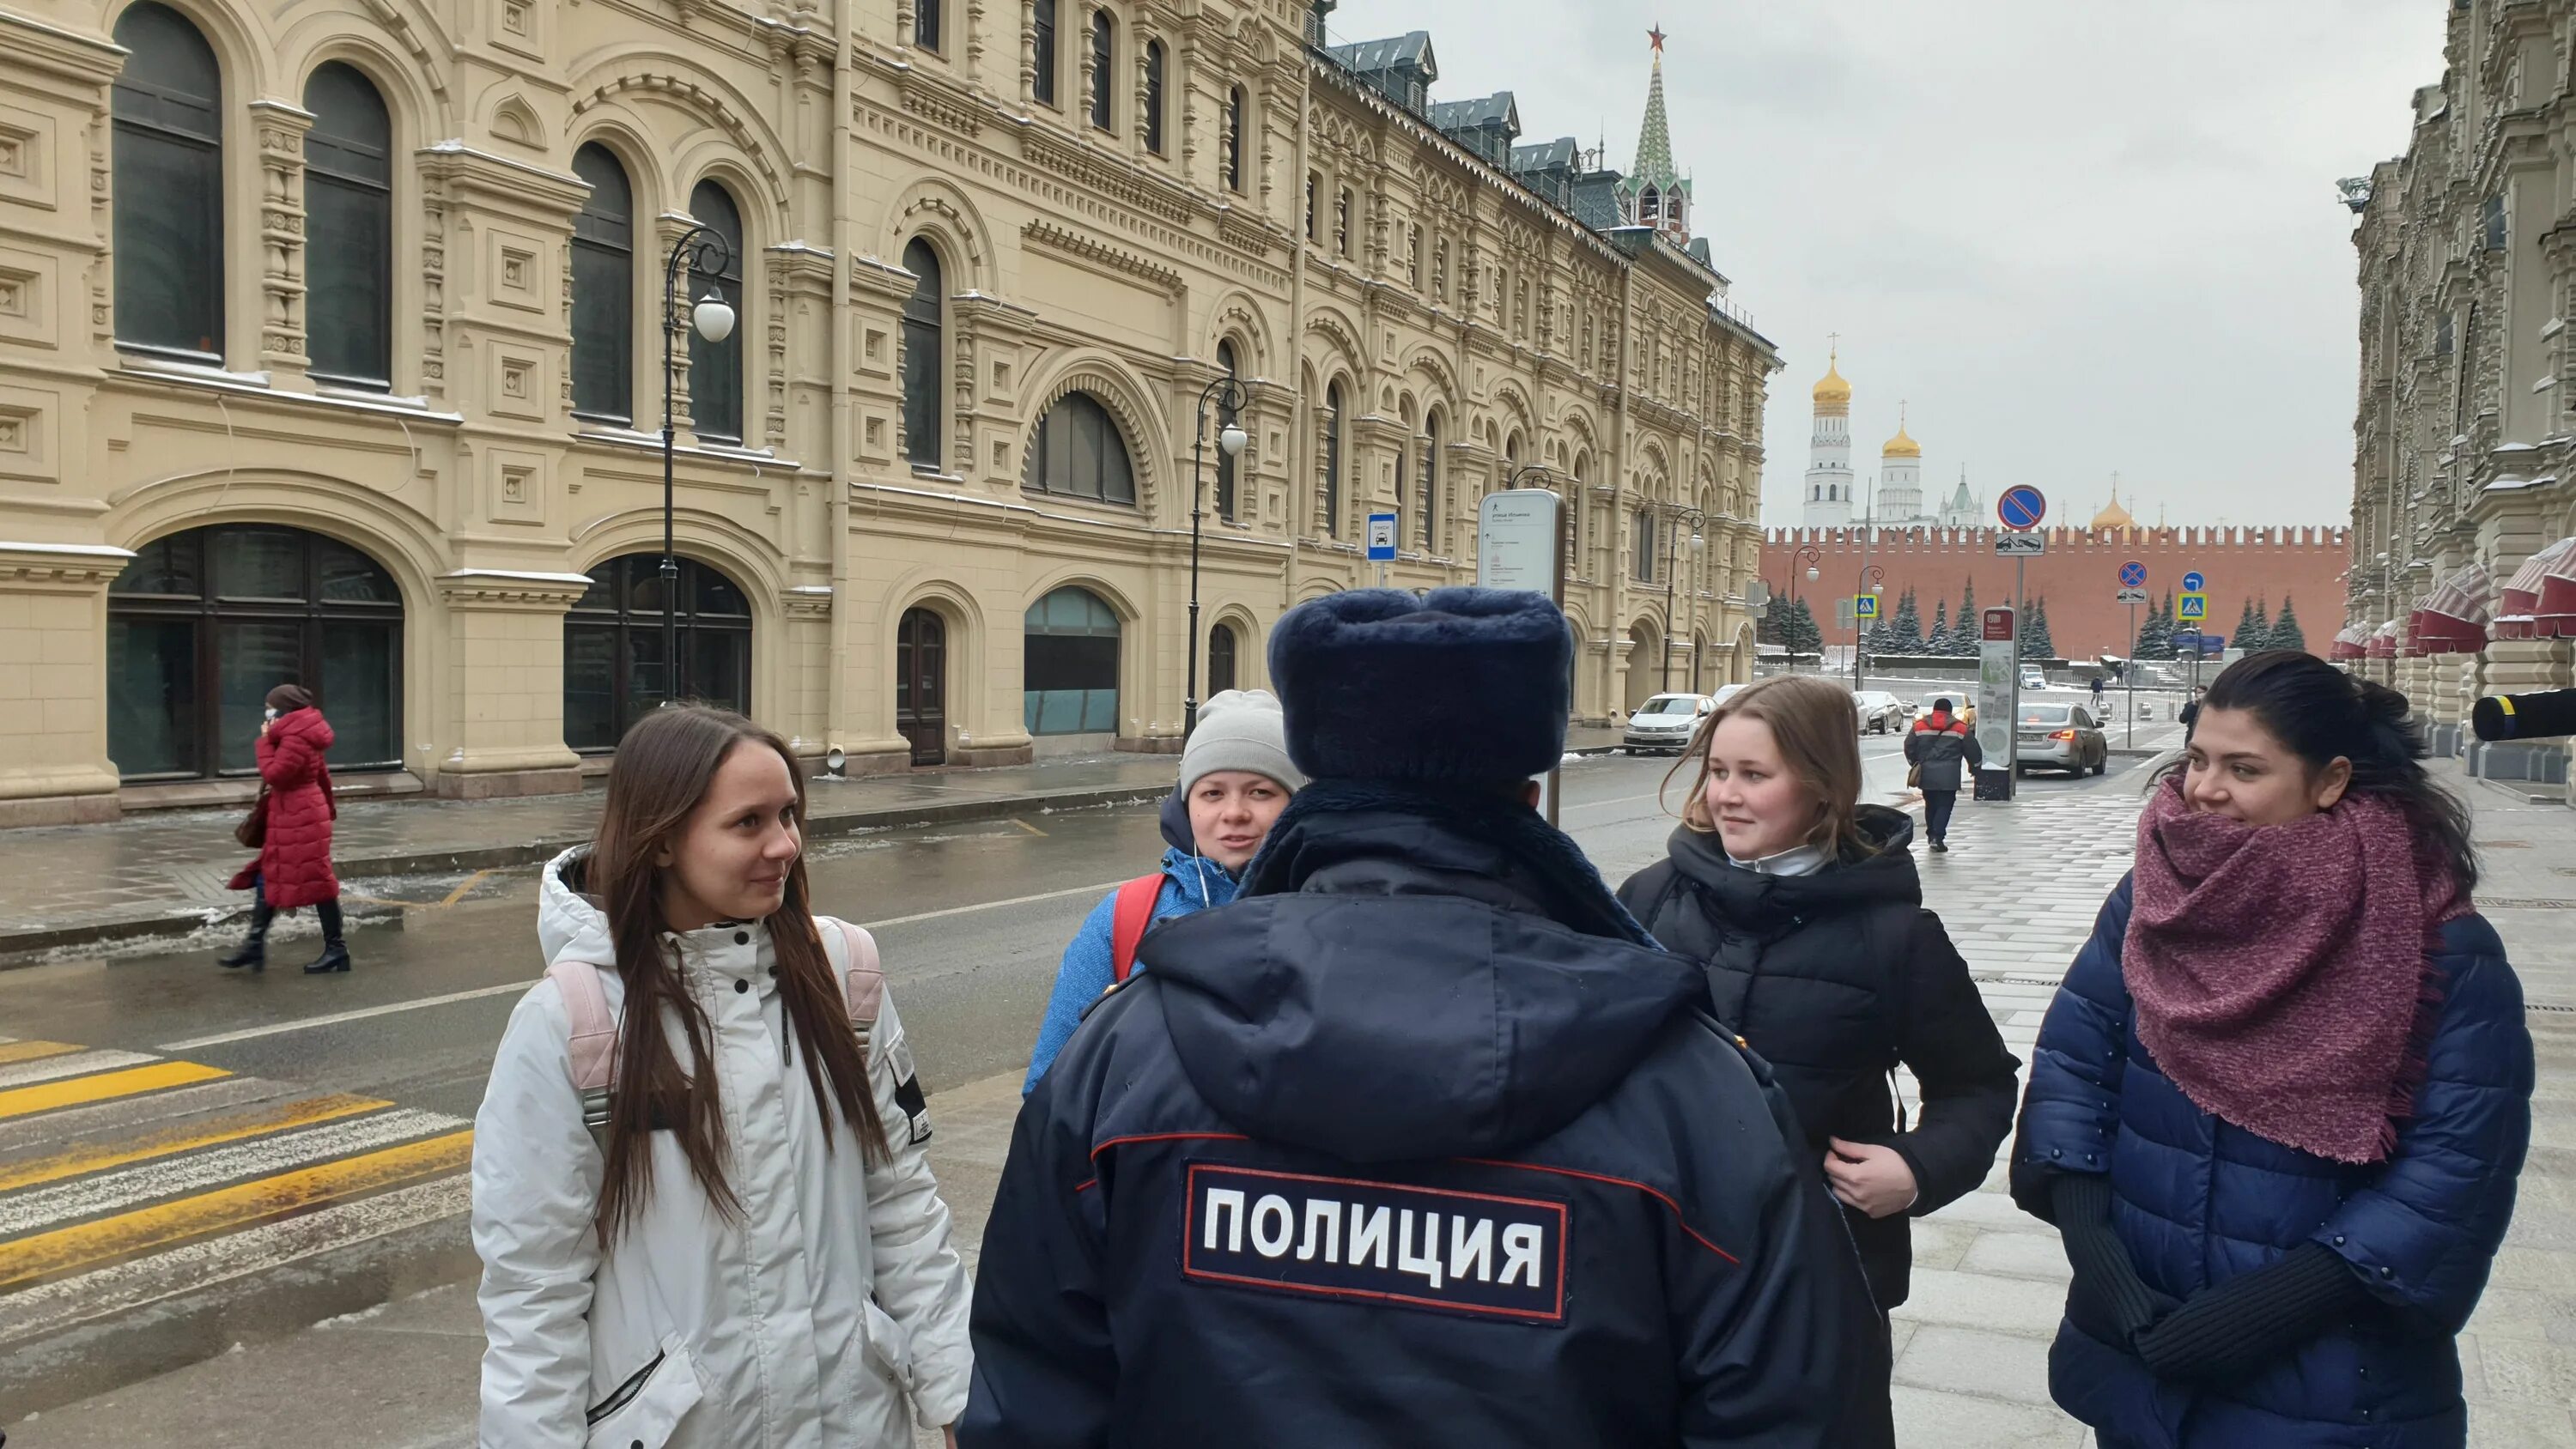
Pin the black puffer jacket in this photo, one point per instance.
(1835, 978)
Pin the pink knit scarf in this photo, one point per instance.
(2283, 973)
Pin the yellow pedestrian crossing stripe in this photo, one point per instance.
(273, 1118)
(29, 1051)
(167, 1224)
(73, 1091)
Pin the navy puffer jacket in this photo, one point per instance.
(2198, 1201)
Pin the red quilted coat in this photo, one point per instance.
(294, 864)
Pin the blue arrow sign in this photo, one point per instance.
(2193, 583)
(2022, 506)
(2133, 575)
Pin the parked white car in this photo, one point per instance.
(1665, 722)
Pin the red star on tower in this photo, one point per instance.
(1657, 36)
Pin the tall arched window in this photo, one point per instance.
(1104, 74)
(1645, 561)
(1079, 452)
(715, 368)
(1069, 664)
(169, 165)
(1342, 222)
(925, 24)
(203, 624)
(1226, 468)
(1154, 96)
(1042, 40)
(923, 343)
(1403, 475)
(613, 663)
(1221, 659)
(1330, 525)
(1234, 107)
(603, 290)
(349, 223)
(1431, 483)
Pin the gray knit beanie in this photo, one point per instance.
(1240, 729)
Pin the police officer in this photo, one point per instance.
(1423, 1140)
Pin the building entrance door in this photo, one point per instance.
(921, 685)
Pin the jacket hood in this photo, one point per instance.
(308, 723)
(570, 925)
(1202, 882)
(1883, 875)
(1416, 1002)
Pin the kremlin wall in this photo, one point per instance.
(2079, 575)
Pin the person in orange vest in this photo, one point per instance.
(1937, 747)
(1235, 779)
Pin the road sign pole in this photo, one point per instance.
(2132, 672)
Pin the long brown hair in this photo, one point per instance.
(1815, 724)
(663, 770)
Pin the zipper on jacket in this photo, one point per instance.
(626, 1391)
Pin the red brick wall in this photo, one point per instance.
(2079, 575)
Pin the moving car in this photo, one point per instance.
(1665, 722)
(2032, 677)
(1881, 712)
(2060, 737)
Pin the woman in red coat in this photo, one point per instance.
(294, 865)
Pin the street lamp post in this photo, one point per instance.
(700, 249)
(1810, 555)
(1874, 579)
(1228, 396)
(1672, 546)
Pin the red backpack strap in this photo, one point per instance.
(1127, 923)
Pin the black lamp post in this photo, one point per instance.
(1672, 544)
(1874, 579)
(1230, 439)
(700, 249)
(1810, 555)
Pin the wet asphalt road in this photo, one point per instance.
(972, 920)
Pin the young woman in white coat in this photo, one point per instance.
(750, 1249)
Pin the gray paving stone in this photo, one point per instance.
(2017, 1255)
(1956, 1360)
(1934, 1419)
(2023, 1307)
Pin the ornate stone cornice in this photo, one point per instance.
(939, 101)
(88, 60)
(60, 567)
(1095, 170)
(482, 175)
(511, 591)
(1102, 254)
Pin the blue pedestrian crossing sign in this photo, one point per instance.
(2193, 583)
(2192, 606)
(2022, 506)
(1865, 606)
(2133, 575)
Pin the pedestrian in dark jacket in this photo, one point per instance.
(1421, 1141)
(1941, 748)
(1806, 910)
(2279, 1105)
(294, 864)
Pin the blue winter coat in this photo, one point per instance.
(1190, 883)
(2198, 1201)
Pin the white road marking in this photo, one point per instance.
(195, 1172)
(47, 1069)
(48, 1307)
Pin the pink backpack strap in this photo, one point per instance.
(593, 1036)
(864, 981)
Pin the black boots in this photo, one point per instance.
(335, 951)
(254, 952)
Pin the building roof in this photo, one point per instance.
(1411, 48)
(1655, 137)
(1499, 107)
(1559, 154)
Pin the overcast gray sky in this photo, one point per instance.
(2080, 238)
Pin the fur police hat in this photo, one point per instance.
(1465, 686)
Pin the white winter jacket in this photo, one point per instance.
(806, 1323)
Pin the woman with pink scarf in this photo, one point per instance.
(2279, 1105)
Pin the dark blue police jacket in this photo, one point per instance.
(1399, 1159)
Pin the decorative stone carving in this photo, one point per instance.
(280, 130)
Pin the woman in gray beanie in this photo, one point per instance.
(1235, 779)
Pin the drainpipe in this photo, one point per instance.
(1612, 700)
(837, 725)
(1301, 425)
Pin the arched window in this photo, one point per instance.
(1645, 563)
(603, 290)
(1647, 205)
(1330, 525)
(349, 224)
(1226, 465)
(925, 24)
(715, 368)
(1080, 453)
(1104, 74)
(924, 363)
(203, 624)
(1403, 477)
(1154, 96)
(613, 661)
(1221, 652)
(169, 165)
(1342, 222)
(1431, 483)
(1042, 40)
(1069, 665)
(1234, 108)
(1314, 181)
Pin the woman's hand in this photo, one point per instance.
(1872, 1179)
(951, 1432)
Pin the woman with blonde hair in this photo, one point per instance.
(1804, 908)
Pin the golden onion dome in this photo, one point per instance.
(2112, 516)
(1831, 388)
(1901, 446)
